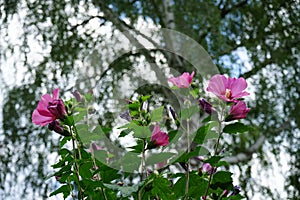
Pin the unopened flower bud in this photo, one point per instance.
(126, 115)
(56, 127)
(77, 96)
(173, 113)
(205, 106)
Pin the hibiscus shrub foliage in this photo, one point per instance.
(154, 161)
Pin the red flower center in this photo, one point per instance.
(228, 93)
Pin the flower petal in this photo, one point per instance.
(55, 93)
(39, 119)
(217, 85)
(237, 86)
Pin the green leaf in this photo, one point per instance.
(223, 180)
(65, 189)
(187, 113)
(88, 136)
(197, 186)
(79, 114)
(222, 177)
(125, 191)
(158, 157)
(174, 135)
(145, 98)
(156, 114)
(85, 169)
(237, 127)
(139, 131)
(64, 140)
(101, 155)
(69, 120)
(213, 160)
(194, 92)
(138, 148)
(124, 132)
(205, 133)
(161, 188)
(130, 162)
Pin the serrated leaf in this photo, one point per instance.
(236, 127)
(156, 114)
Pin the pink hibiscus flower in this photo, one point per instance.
(183, 81)
(238, 110)
(158, 137)
(228, 89)
(49, 109)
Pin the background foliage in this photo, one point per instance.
(44, 44)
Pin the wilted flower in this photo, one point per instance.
(183, 81)
(48, 109)
(238, 110)
(158, 137)
(228, 89)
(205, 106)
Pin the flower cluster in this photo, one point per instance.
(149, 156)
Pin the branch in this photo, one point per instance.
(84, 22)
(246, 155)
(225, 11)
(125, 29)
(256, 69)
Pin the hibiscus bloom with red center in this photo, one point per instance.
(227, 89)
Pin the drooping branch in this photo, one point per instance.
(246, 155)
(225, 10)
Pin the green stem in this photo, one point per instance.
(188, 162)
(76, 168)
(143, 163)
(98, 176)
(71, 189)
(215, 153)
